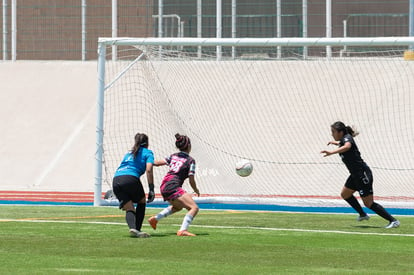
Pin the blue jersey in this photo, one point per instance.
(135, 167)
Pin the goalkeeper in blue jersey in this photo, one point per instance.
(127, 185)
(360, 178)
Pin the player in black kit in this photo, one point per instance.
(360, 178)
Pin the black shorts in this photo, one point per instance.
(127, 188)
(362, 184)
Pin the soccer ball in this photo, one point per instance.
(244, 168)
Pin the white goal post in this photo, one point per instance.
(268, 100)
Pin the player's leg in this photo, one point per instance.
(153, 221)
(130, 191)
(138, 195)
(140, 213)
(169, 196)
(134, 218)
(367, 194)
(119, 187)
(186, 201)
(132, 221)
(347, 194)
(139, 198)
(130, 214)
(377, 208)
(163, 214)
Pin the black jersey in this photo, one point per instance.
(352, 157)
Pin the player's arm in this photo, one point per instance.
(341, 149)
(160, 162)
(193, 184)
(334, 143)
(150, 180)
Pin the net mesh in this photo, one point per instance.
(275, 112)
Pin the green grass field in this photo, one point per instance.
(95, 240)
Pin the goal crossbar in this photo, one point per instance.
(291, 41)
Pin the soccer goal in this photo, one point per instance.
(270, 101)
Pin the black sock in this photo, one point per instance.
(355, 204)
(139, 215)
(381, 212)
(130, 219)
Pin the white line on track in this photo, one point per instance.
(227, 227)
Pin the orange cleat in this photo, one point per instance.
(185, 233)
(153, 222)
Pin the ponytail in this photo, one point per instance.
(353, 132)
(141, 140)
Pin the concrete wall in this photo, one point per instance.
(47, 124)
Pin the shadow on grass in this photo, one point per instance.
(367, 226)
(156, 235)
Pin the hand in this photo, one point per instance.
(151, 196)
(197, 192)
(327, 153)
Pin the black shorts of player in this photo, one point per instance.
(362, 184)
(127, 188)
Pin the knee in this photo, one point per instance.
(368, 201)
(129, 206)
(368, 204)
(344, 195)
(195, 209)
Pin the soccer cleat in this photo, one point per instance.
(185, 233)
(153, 222)
(393, 224)
(363, 218)
(138, 234)
(133, 232)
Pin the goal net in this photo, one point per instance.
(270, 101)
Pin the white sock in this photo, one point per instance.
(188, 219)
(164, 213)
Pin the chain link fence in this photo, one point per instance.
(69, 29)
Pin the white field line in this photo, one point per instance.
(68, 142)
(227, 227)
(302, 230)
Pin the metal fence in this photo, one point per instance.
(69, 29)
(376, 24)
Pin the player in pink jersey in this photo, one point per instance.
(181, 166)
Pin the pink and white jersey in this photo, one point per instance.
(181, 166)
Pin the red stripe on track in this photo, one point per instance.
(47, 196)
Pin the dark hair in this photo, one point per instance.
(141, 140)
(340, 127)
(182, 142)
